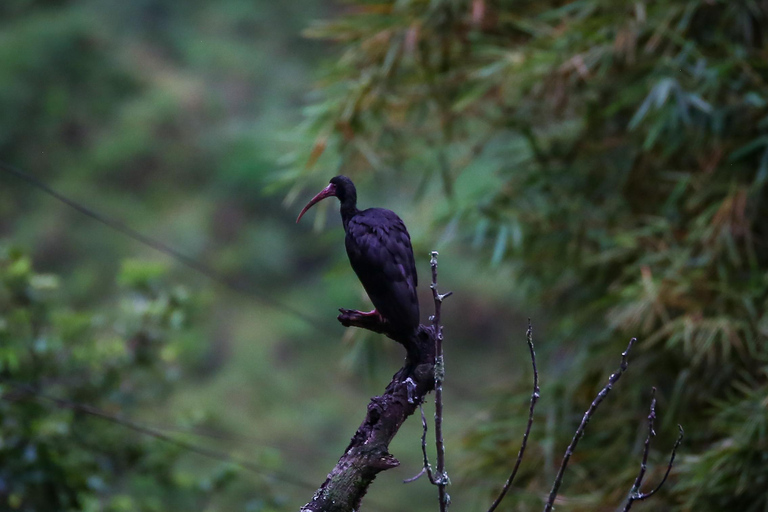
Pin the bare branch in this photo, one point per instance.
(679, 440)
(416, 476)
(635, 494)
(534, 399)
(646, 449)
(441, 478)
(426, 468)
(367, 453)
(582, 427)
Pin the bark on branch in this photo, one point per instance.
(367, 454)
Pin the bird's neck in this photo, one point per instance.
(348, 210)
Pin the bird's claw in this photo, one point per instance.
(366, 319)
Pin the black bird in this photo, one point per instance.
(380, 252)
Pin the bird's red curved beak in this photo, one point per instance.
(328, 191)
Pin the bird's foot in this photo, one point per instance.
(371, 320)
(375, 322)
(368, 314)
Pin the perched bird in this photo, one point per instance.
(380, 252)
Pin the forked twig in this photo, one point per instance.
(635, 494)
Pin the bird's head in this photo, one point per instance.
(340, 187)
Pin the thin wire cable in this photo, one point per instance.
(189, 262)
(200, 268)
(26, 389)
(279, 476)
(237, 438)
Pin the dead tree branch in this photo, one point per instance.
(367, 453)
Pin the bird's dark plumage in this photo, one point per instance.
(380, 252)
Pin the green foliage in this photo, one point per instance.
(165, 115)
(734, 467)
(612, 156)
(606, 160)
(68, 379)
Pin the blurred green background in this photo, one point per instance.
(597, 165)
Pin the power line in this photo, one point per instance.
(220, 436)
(117, 225)
(281, 476)
(29, 390)
(200, 268)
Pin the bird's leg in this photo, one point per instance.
(371, 313)
(367, 319)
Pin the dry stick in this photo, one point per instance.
(534, 399)
(441, 479)
(580, 431)
(426, 468)
(644, 496)
(635, 494)
(646, 447)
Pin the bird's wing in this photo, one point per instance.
(404, 249)
(382, 241)
(379, 247)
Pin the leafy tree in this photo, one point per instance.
(70, 382)
(612, 157)
(609, 156)
(162, 114)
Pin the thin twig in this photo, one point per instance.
(669, 466)
(580, 431)
(646, 448)
(635, 494)
(534, 399)
(441, 479)
(426, 468)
